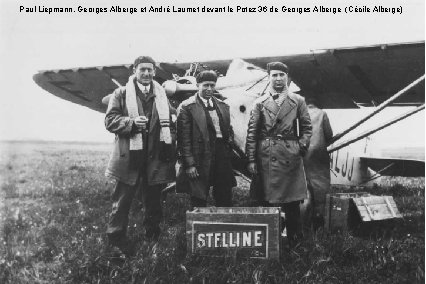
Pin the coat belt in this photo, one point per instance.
(280, 137)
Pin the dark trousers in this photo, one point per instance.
(293, 222)
(221, 178)
(292, 219)
(122, 200)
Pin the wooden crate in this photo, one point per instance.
(252, 232)
(339, 212)
(349, 210)
(376, 208)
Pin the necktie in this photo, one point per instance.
(145, 90)
(210, 105)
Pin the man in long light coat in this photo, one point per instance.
(143, 157)
(278, 136)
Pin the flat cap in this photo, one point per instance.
(207, 75)
(143, 59)
(277, 66)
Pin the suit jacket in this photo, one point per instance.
(196, 144)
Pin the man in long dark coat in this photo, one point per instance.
(204, 137)
(317, 160)
(278, 136)
(143, 157)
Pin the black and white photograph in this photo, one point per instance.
(172, 141)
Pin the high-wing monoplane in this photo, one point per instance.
(367, 76)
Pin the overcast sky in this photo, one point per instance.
(37, 41)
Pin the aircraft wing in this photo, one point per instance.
(395, 166)
(339, 78)
(367, 76)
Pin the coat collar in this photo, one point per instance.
(271, 105)
(287, 106)
(279, 113)
(199, 114)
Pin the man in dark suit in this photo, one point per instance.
(203, 141)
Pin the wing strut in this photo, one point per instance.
(379, 108)
(374, 130)
(256, 82)
(116, 82)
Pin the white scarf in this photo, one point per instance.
(162, 106)
(281, 96)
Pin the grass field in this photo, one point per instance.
(55, 205)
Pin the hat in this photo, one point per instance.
(143, 59)
(208, 75)
(277, 66)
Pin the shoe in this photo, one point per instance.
(120, 245)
